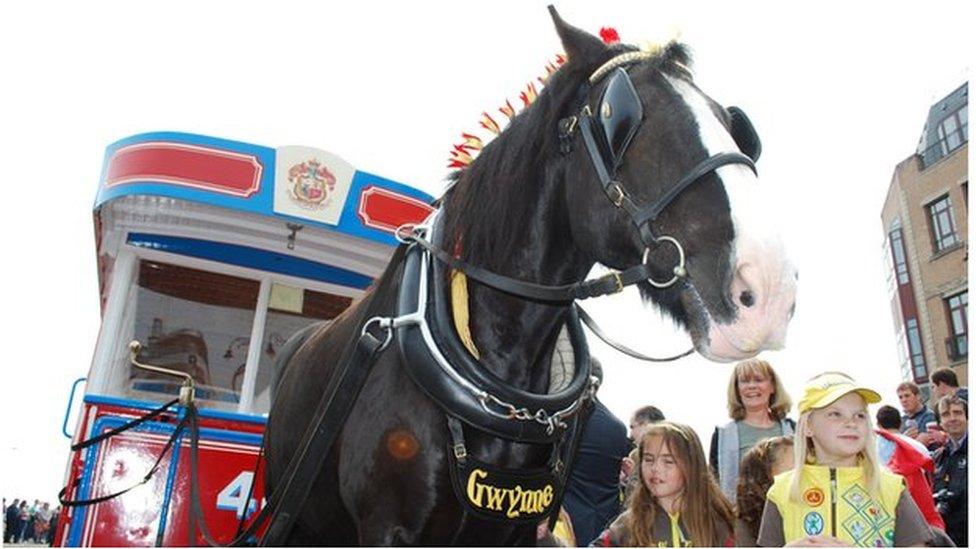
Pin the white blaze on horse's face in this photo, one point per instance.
(763, 275)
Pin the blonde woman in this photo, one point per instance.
(676, 503)
(757, 404)
(837, 494)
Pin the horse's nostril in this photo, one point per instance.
(747, 299)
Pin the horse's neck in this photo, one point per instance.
(515, 337)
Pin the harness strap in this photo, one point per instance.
(196, 517)
(134, 423)
(562, 293)
(333, 409)
(595, 328)
(642, 217)
(457, 439)
(250, 492)
(567, 470)
(152, 471)
(710, 164)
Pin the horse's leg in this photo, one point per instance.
(299, 537)
(392, 458)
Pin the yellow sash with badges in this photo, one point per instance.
(835, 502)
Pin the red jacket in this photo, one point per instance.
(908, 462)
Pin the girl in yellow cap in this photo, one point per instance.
(838, 494)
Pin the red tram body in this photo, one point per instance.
(211, 253)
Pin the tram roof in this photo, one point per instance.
(299, 185)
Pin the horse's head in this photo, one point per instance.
(651, 127)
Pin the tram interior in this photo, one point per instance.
(200, 323)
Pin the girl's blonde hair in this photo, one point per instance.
(805, 454)
(702, 498)
(780, 401)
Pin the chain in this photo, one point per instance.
(551, 421)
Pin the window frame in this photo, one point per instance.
(896, 239)
(941, 240)
(120, 302)
(962, 306)
(961, 129)
(920, 371)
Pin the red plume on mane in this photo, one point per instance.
(463, 153)
(609, 35)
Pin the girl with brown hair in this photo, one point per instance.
(761, 463)
(677, 503)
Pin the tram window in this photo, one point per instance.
(193, 321)
(290, 309)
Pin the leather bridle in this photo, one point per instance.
(606, 137)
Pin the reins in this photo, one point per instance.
(608, 284)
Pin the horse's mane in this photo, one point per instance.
(492, 199)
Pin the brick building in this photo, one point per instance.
(925, 221)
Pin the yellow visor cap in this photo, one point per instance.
(825, 389)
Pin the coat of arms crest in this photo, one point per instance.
(311, 184)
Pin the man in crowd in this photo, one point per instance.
(592, 496)
(42, 522)
(951, 468)
(945, 383)
(644, 415)
(910, 459)
(54, 526)
(917, 417)
(12, 526)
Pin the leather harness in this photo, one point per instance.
(440, 365)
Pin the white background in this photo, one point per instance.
(839, 92)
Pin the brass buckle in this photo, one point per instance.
(460, 452)
(620, 283)
(615, 193)
(572, 125)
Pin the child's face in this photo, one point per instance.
(659, 469)
(840, 431)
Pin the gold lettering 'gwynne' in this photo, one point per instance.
(512, 501)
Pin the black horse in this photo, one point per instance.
(534, 207)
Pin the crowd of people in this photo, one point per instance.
(834, 476)
(26, 523)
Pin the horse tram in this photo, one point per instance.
(445, 406)
(211, 255)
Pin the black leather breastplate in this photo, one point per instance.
(451, 394)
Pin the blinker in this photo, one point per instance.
(744, 134)
(622, 114)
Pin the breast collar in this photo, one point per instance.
(439, 364)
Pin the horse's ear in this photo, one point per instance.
(578, 43)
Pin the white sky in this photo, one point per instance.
(838, 91)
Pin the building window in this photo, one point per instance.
(957, 343)
(898, 252)
(941, 224)
(954, 130)
(915, 350)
